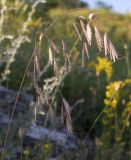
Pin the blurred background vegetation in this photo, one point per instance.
(92, 84)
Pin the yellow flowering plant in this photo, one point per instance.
(117, 112)
(103, 64)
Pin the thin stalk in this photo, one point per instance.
(128, 117)
(97, 118)
(21, 143)
(14, 107)
(18, 94)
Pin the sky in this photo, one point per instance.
(122, 6)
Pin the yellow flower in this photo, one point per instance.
(113, 103)
(103, 65)
(106, 102)
(108, 94)
(26, 152)
(46, 147)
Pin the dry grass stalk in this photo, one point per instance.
(65, 115)
(78, 32)
(83, 29)
(112, 52)
(54, 46)
(36, 68)
(82, 18)
(36, 75)
(109, 48)
(67, 62)
(85, 49)
(56, 69)
(64, 47)
(91, 16)
(51, 56)
(89, 33)
(106, 46)
(37, 99)
(99, 38)
(66, 56)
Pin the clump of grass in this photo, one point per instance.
(85, 29)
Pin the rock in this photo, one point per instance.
(61, 138)
(17, 150)
(4, 119)
(36, 135)
(7, 100)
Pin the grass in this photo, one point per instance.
(60, 63)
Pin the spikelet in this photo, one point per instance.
(56, 69)
(99, 38)
(83, 29)
(36, 78)
(77, 31)
(54, 46)
(85, 49)
(64, 48)
(69, 124)
(106, 46)
(66, 56)
(112, 52)
(91, 16)
(36, 74)
(65, 115)
(50, 55)
(36, 68)
(82, 18)
(89, 34)
(109, 48)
